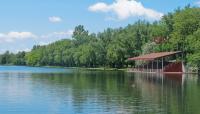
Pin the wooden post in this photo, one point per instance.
(136, 68)
(162, 64)
(143, 67)
(157, 66)
(152, 66)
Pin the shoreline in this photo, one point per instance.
(78, 68)
(85, 68)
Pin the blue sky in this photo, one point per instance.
(24, 23)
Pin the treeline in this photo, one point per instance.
(179, 30)
(13, 59)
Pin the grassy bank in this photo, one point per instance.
(93, 69)
(103, 69)
(85, 68)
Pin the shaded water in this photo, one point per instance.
(28, 90)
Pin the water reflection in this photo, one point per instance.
(171, 92)
(100, 93)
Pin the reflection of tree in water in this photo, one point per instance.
(198, 80)
(106, 90)
(192, 95)
(117, 91)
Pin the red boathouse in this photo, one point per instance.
(159, 63)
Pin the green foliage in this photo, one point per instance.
(148, 48)
(80, 35)
(186, 22)
(53, 54)
(7, 58)
(20, 58)
(194, 48)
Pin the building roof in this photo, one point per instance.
(153, 56)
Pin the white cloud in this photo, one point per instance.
(21, 35)
(24, 41)
(55, 19)
(66, 34)
(124, 9)
(102, 7)
(198, 3)
(24, 49)
(55, 36)
(42, 43)
(12, 36)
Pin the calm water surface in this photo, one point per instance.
(29, 90)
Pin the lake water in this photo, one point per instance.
(32, 90)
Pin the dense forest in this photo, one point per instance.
(177, 31)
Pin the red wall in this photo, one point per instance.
(174, 67)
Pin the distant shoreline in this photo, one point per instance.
(84, 68)
(79, 68)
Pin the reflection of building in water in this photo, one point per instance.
(155, 79)
(163, 90)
